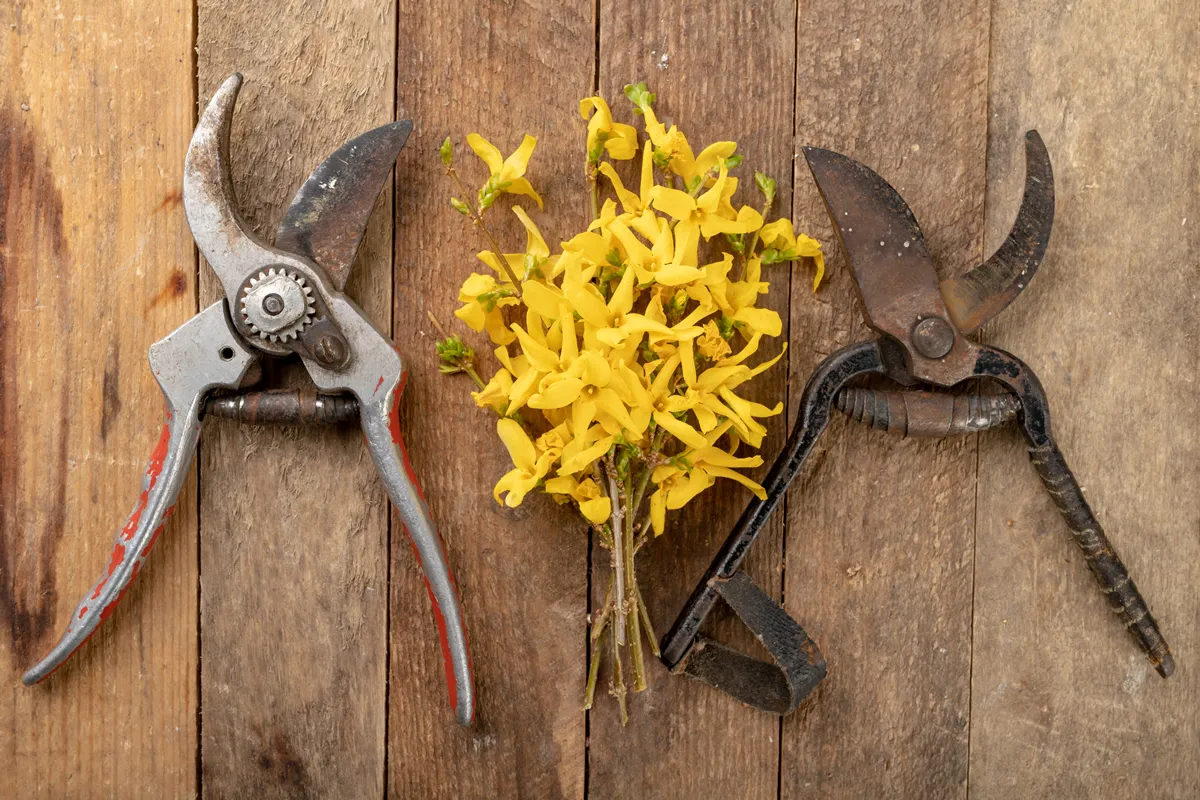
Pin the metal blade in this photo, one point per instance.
(223, 237)
(328, 216)
(891, 265)
(986, 290)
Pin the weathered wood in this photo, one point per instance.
(1064, 704)
(721, 72)
(294, 521)
(499, 70)
(879, 546)
(95, 264)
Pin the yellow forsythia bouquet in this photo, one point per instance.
(622, 356)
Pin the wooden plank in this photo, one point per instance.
(879, 546)
(294, 522)
(722, 71)
(1064, 703)
(499, 70)
(95, 264)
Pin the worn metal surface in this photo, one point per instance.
(987, 290)
(930, 414)
(284, 407)
(904, 303)
(217, 349)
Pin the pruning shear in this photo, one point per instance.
(280, 301)
(922, 325)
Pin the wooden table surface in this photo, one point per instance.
(280, 642)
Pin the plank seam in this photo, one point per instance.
(987, 123)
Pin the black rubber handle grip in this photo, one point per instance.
(1102, 559)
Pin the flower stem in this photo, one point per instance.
(629, 603)
(477, 218)
(599, 627)
(618, 527)
(594, 193)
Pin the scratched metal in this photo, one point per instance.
(344, 353)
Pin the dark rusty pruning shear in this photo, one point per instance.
(280, 301)
(922, 325)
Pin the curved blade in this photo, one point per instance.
(227, 243)
(887, 254)
(328, 216)
(987, 290)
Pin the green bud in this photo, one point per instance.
(614, 257)
(737, 242)
(661, 159)
(641, 97)
(733, 161)
(455, 355)
(766, 185)
(725, 326)
(446, 151)
(460, 206)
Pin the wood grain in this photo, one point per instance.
(294, 521)
(879, 546)
(499, 69)
(722, 71)
(1064, 704)
(95, 264)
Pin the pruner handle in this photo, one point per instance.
(798, 666)
(1064, 489)
(201, 355)
(1101, 558)
(380, 420)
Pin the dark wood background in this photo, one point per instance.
(280, 642)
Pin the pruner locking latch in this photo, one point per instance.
(922, 325)
(280, 301)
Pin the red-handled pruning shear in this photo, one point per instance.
(280, 301)
(922, 325)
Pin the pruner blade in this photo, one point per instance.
(985, 291)
(328, 216)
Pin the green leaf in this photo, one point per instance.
(766, 185)
(641, 97)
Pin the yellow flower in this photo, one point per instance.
(507, 174)
(651, 400)
(529, 466)
(633, 203)
(712, 344)
(584, 449)
(595, 507)
(674, 149)
(495, 394)
(698, 216)
(783, 244)
(532, 262)
(618, 139)
(710, 397)
(693, 472)
(484, 298)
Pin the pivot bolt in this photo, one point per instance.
(933, 337)
(330, 350)
(272, 304)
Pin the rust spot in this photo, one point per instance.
(110, 404)
(281, 763)
(31, 522)
(172, 200)
(176, 286)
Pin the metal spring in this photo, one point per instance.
(926, 414)
(284, 407)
